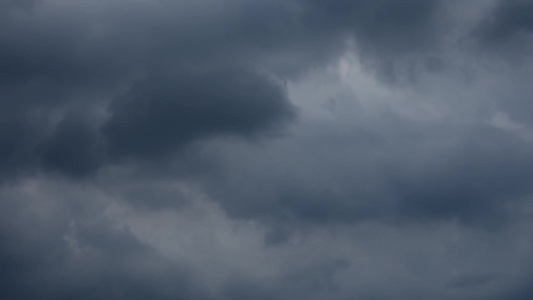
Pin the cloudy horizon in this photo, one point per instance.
(240, 149)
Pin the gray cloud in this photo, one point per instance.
(302, 149)
(167, 112)
(508, 28)
(73, 147)
(72, 61)
(55, 57)
(78, 253)
(437, 172)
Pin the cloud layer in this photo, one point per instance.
(303, 149)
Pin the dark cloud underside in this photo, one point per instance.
(233, 149)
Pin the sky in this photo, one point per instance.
(260, 150)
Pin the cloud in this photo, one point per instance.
(51, 70)
(69, 252)
(169, 111)
(301, 149)
(73, 148)
(58, 57)
(508, 28)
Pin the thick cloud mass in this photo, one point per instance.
(509, 26)
(165, 112)
(232, 149)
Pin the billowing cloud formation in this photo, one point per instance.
(509, 26)
(302, 149)
(167, 112)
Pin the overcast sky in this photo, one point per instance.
(266, 150)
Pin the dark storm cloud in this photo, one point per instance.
(390, 36)
(471, 281)
(204, 63)
(384, 26)
(60, 246)
(471, 177)
(125, 96)
(78, 254)
(73, 147)
(508, 28)
(317, 279)
(167, 112)
(52, 61)
(488, 171)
